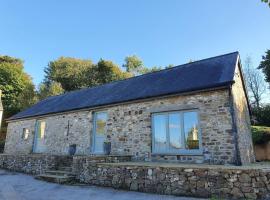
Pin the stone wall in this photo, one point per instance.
(242, 119)
(14, 141)
(81, 162)
(219, 182)
(30, 164)
(129, 128)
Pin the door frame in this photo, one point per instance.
(94, 131)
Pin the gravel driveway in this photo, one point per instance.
(16, 186)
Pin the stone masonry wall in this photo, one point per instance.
(30, 164)
(129, 128)
(218, 182)
(242, 120)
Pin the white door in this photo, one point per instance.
(39, 145)
(99, 133)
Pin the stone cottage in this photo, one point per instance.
(194, 112)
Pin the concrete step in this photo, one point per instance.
(56, 178)
(59, 172)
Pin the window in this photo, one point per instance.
(41, 129)
(25, 133)
(99, 136)
(176, 132)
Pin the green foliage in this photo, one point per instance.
(266, 1)
(66, 74)
(261, 115)
(134, 65)
(105, 72)
(69, 72)
(53, 89)
(265, 66)
(260, 134)
(17, 86)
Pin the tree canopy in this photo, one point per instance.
(134, 65)
(69, 72)
(265, 65)
(66, 74)
(18, 89)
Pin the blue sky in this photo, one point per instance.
(160, 32)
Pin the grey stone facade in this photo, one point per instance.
(129, 127)
(242, 119)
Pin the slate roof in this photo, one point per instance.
(203, 74)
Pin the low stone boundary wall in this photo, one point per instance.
(81, 163)
(30, 164)
(39, 163)
(229, 182)
(220, 182)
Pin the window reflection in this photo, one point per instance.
(175, 131)
(160, 132)
(191, 130)
(101, 123)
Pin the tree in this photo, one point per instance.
(254, 81)
(69, 72)
(105, 72)
(146, 70)
(17, 86)
(265, 65)
(44, 91)
(266, 1)
(134, 65)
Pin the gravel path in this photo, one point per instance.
(16, 186)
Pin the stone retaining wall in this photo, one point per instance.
(232, 183)
(30, 164)
(80, 163)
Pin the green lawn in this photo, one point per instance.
(260, 134)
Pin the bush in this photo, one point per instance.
(260, 134)
(261, 115)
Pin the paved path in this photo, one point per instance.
(16, 186)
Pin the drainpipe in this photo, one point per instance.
(1, 109)
(234, 129)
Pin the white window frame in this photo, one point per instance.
(180, 151)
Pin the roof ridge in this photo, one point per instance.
(134, 77)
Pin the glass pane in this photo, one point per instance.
(160, 132)
(175, 131)
(101, 119)
(42, 129)
(191, 130)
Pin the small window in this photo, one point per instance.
(176, 132)
(25, 133)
